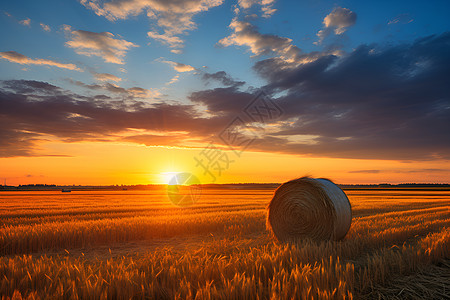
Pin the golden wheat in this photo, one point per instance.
(138, 246)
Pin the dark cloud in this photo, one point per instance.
(31, 87)
(31, 110)
(14, 142)
(132, 93)
(376, 103)
(222, 77)
(227, 101)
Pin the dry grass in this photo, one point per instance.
(122, 245)
(429, 282)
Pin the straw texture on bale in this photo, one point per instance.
(309, 208)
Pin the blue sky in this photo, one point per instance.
(297, 20)
(355, 79)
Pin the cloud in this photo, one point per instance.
(266, 6)
(174, 79)
(245, 34)
(373, 103)
(376, 102)
(30, 111)
(15, 57)
(168, 139)
(422, 171)
(15, 142)
(106, 77)
(25, 22)
(222, 77)
(173, 17)
(227, 102)
(131, 93)
(336, 22)
(45, 27)
(179, 67)
(425, 170)
(401, 19)
(339, 19)
(103, 44)
(365, 171)
(172, 41)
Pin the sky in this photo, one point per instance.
(135, 91)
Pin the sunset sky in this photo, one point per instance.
(133, 91)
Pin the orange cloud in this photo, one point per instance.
(45, 27)
(15, 57)
(103, 44)
(106, 77)
(179, 67)
(25, 22)
(173, 80)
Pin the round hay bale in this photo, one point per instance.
(309, 208)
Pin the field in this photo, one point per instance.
(136, 244)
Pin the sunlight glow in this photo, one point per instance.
(167, 176)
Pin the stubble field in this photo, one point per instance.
(136, 244)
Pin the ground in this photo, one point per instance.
(136, 244)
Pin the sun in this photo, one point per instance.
(184, 189)
(166, 177)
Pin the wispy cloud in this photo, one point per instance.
(106, 77)
(25, 22)
(365, 171)
(104, 44)
(221, 77)
(15, 57)
(174, 79)
(179, 67)
(401, 19)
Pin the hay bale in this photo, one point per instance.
(309, 208)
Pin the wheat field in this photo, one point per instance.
(137, 245)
